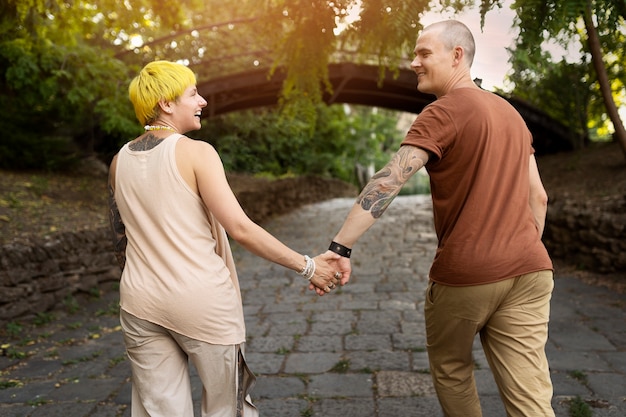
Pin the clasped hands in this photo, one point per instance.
(331, 270)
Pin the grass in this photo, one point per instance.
(579, 408)
(341, 367)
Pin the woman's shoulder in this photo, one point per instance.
(196, 145)
(195, 150)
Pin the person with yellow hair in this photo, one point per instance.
(170, 210)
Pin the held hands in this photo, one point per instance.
(331, 270)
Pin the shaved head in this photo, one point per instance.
(454, 33)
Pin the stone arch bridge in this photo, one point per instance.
(239, 78)
(359, 84)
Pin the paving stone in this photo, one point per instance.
(298, 342)
(576, 336)
(13, 410)
(408, 341)
(64, 409)
(270, 344)
(410, 406)
(396, 304)
(281, 308)
(359, 288)
(320, 344)
(282, 407)
(374, 361)
(617, 360)
(491, 405)
(36, 368)
(107, 410)
(344, 407)
(265, 363)
(331, 385)
(327, 303)
(420, 361)
(278, 387)
(576, 361)
(27, 392)
(404, 384)
(564, 384)
(485, 384)
(607, 385)
(359, 305)
(311, 363)
(338, 327)
(295, 327)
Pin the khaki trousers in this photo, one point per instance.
(161, 385)
(512, 319)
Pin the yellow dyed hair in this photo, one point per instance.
(158, 80)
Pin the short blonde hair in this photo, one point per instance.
(158, 80)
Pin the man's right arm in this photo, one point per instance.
(376, 196)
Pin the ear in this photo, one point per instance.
(459, 53)
(166, 106)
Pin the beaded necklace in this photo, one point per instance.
(148, 128)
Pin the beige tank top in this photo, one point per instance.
(179, 269)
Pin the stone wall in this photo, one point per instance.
(590, 235)
(43, 274)
(40, 276)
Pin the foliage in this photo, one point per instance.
(66, 65)
(52, 74)
(69, 64)
(262, 142)
(562, 90)
(565, 89)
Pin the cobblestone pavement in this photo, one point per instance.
(359, 351)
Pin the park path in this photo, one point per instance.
(357, 352)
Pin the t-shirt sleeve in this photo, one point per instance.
(433, 131)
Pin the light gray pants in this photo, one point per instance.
(160, 367)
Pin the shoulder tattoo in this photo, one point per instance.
(146, 143)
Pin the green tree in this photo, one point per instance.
(384, 34)
(69, 62)
(602, 39)
(61, 87)
(262, 142)
(563, 90)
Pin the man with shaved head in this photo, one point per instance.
(491, 274)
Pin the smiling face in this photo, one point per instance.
(443, 56)
(433, 63)
(185, 112)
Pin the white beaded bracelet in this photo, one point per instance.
(309, 268)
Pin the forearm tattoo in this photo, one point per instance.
(387, 183)
(118, 230)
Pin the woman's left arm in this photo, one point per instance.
(118, 230)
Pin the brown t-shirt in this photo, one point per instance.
(480, 149)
